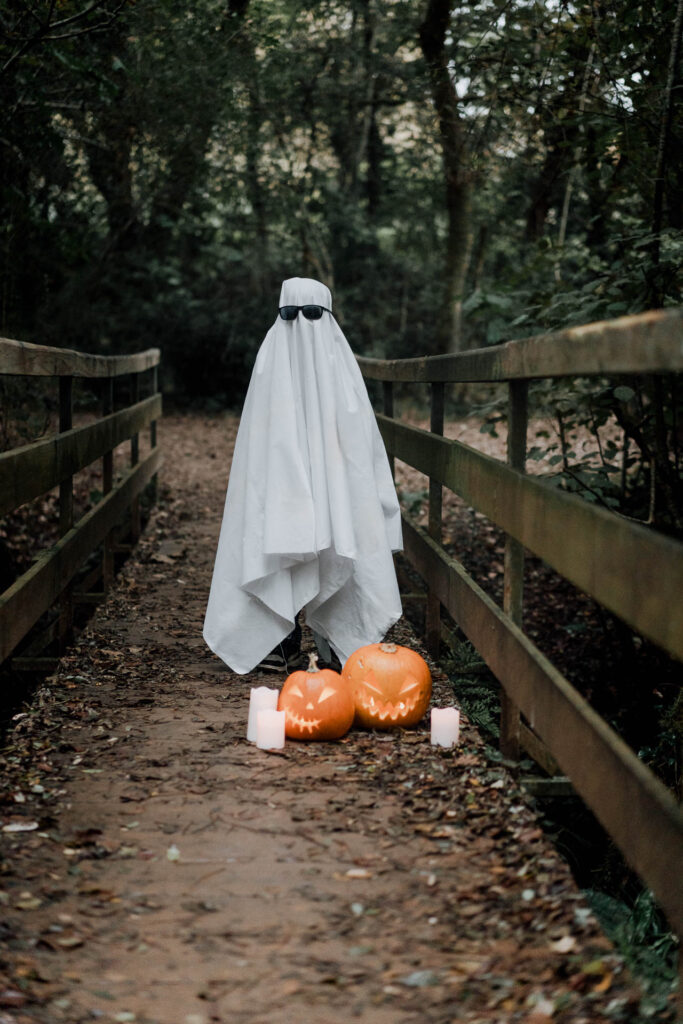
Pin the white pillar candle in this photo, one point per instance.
(445, 726)
(260, 699)
(270, 729)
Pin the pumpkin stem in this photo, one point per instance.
(388, 648)
(312, 662)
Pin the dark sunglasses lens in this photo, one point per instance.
(289, 312)
(312, 312)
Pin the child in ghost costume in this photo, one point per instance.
(311, 515)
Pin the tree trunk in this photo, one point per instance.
(109, 159)
(663, 145)
(457, 173)
(543, 188)
(574, 169)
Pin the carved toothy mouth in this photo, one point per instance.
(385, 710)
(301, 723)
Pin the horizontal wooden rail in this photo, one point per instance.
(635, 808)
(24, 359)
(645, 343)
(33, 593)
(597, 550)
(33, 469)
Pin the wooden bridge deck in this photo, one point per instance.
(172, 873)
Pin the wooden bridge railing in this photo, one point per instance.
(33, 469)
(631, 570)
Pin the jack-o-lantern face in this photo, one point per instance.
(391, 685)
(317, 703)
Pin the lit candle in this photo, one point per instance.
(270, 729)
(445, 726)
(260, 699)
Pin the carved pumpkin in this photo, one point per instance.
(317, 704)
(391, 685)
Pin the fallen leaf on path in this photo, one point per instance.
(420, 979)
(67, 941)
(564, 945)
(603, 985)
(11, 997)
(27, 901)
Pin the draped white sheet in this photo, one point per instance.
(311, 514)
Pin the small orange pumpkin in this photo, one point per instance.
(317, 704)
(391, 685)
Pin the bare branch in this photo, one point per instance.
(79, 17)
(50, 12)
(45, 33)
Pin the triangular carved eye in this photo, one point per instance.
(295, 690)
(409, 683)
(370, 683)
(329, 691)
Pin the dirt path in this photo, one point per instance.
(171, 872)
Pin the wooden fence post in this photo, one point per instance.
(153, 432)
(29, 471)
(66, 507)
(513, 585)
(388, 410)
(134, 459)
(433, 617)
(66, 491)
(107, 484)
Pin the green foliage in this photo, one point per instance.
(166, 165)
(413, 501)
(477, 689)
(642, 937)
(27, 409)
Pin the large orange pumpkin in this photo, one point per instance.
(317, 704)
(391, 685)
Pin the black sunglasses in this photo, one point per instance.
(310, 312)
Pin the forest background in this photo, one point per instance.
(459, 174)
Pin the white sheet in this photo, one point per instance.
(311, 514)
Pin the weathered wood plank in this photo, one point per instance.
(433, 613)
(25, 359)
(558, 785)
(41, 640)
(32, 594)
(108, 481)
(36, 468)
(633, 805)
(645, 343)
(66, 509)
(135, 521)
(66, 492)
(38, 664)
(86, 584)
(513, 576)
(536, 749)
(631, 570)
(154, 386)
(93, 597)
